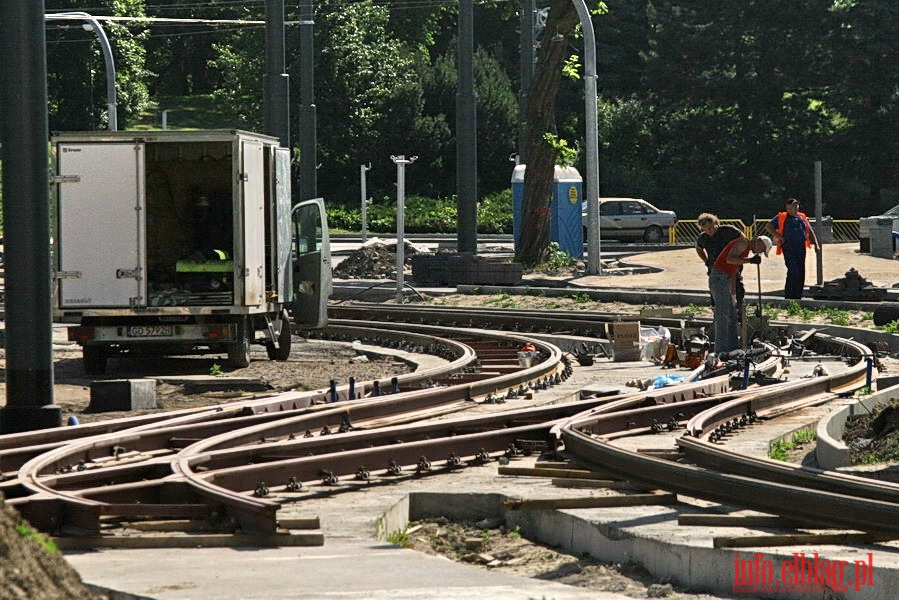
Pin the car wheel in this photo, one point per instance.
(653, 234)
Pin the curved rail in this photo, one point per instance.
(794, 492)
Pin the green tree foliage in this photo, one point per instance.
(76, 71)
(866, 93)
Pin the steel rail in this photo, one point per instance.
(802, 504)
(38, 475)
(753, 483)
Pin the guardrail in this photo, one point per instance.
(837, 231)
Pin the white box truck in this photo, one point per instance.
(184, 242)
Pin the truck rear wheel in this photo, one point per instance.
(282, 352)
(94, 359)
(239, 349)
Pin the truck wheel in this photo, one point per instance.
(282, 352)
(239, 350)
(94, 359)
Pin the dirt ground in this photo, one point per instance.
(874, 438)
(311, 366)
(489, 546)
(30, 567)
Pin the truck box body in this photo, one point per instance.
(173, 241)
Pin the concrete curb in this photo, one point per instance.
(652, 539)
(830, 451)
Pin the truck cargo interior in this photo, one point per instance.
(190, 224)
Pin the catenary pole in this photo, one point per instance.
(275, 104)
(308, 186)
(466, 136)
(26, 220)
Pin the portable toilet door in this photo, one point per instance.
(565, 226)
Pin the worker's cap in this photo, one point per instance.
(768, 243)
(792, 201)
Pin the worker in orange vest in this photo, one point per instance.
(792, 233)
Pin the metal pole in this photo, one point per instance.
(93, 24)
(363, 200)
(591, 191)
(526, 69)
(308, 186)
(26, 220)
(819, 223)
(401, 162)
(275, 103)
(466, 136)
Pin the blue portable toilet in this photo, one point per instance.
(565, 227)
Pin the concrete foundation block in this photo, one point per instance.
(122, 394)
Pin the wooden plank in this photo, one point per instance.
(744, 521)
(300, 523)
(612, 484)
(192, 541)
(559, 473)
(592, 502)
(801, 539)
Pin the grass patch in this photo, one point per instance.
(188, 113)
(400, 538)
(781, 449)
(32, 534)
(501, 301)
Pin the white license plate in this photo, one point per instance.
(150, 331)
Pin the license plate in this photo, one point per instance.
(150, 331)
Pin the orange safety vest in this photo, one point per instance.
(781, 219)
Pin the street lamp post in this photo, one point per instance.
(93, 25)
(591, 192)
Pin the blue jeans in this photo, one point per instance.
(795, 263)
(721, 286)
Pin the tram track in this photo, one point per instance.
(239, 462)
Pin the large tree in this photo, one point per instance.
(541, 120)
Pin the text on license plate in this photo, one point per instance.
(150, 331)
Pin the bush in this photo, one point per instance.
(425, 215)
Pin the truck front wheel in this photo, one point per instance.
(282, 352)
(239, 349)
(94, 359)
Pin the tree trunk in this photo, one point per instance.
(538, 177)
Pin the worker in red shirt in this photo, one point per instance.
(723, 282)
(793, 233)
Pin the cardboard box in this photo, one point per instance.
(625, 340)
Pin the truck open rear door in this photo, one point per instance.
(100, 259)
(312, 264)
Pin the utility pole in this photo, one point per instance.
(26, 220)
(308, 187)
(466, 136)
(401, 162)
(276, 83)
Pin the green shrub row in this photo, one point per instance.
(425, 215)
